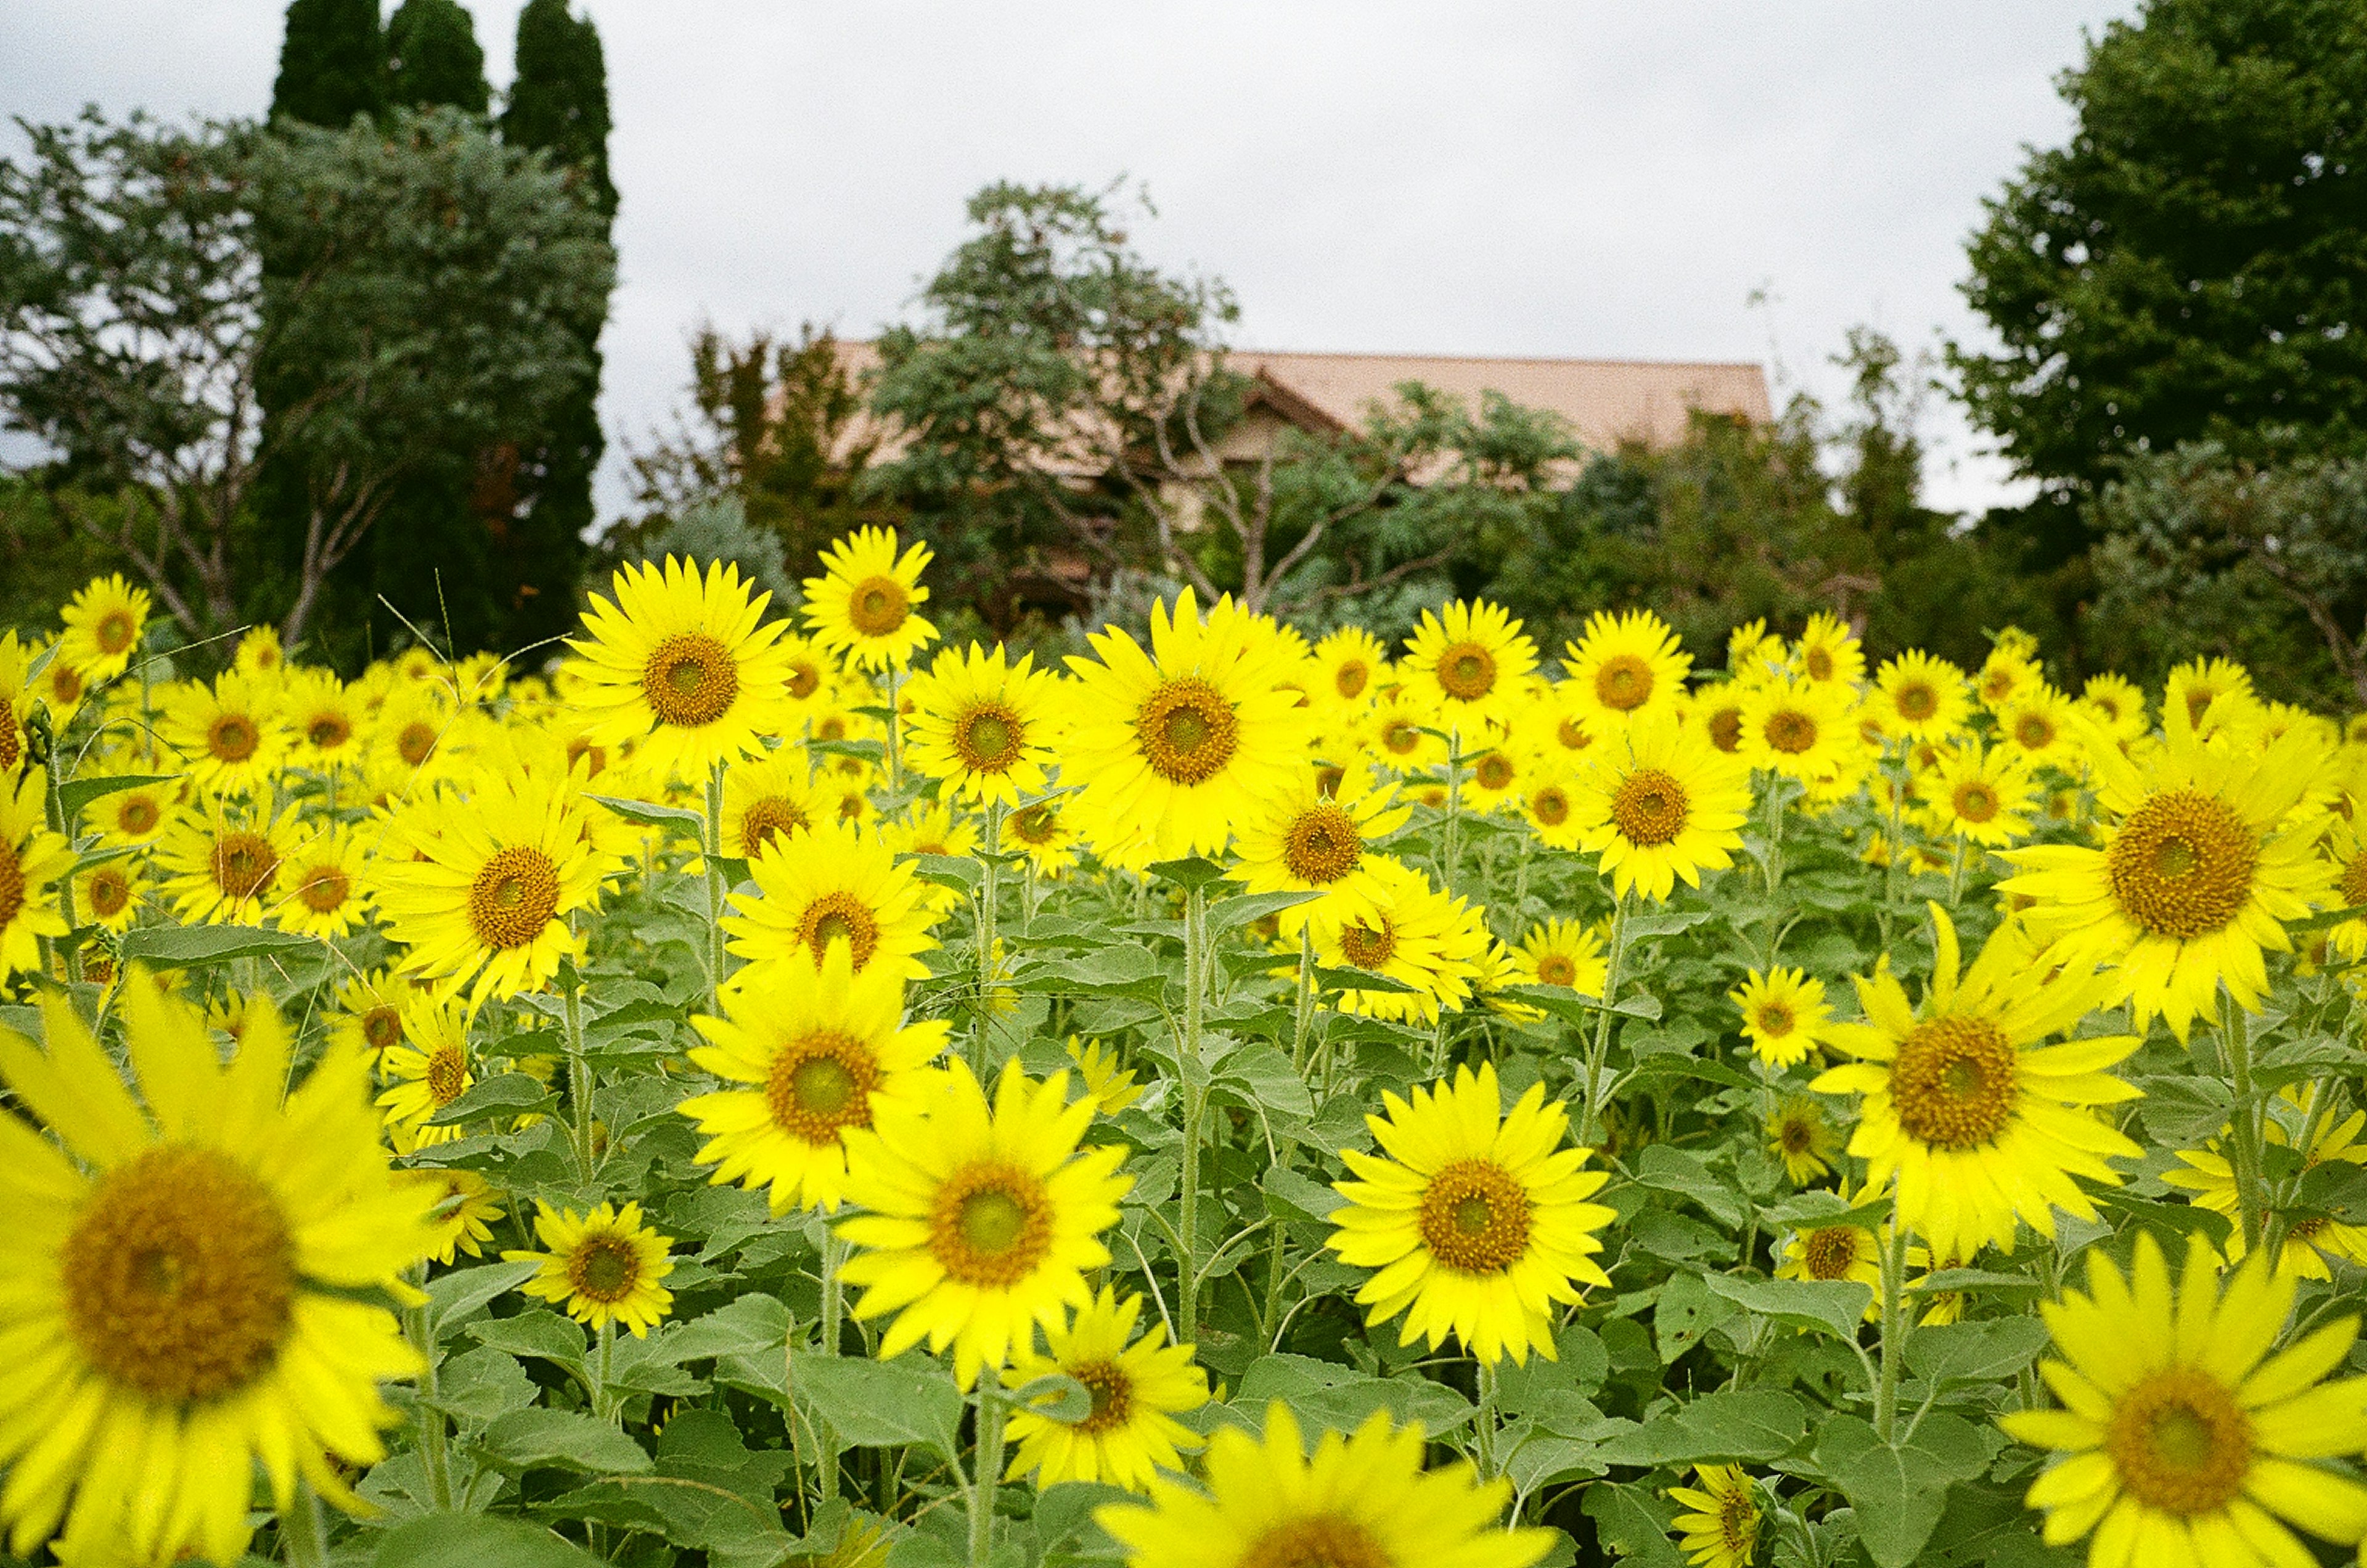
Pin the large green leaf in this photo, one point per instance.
(73, 797)
(505, 1094)
(191, 947)
(476, 1541)
(568, 1440)
(882, 1404)
(1973, 1351)
(1898, 1493)
(1827, 1306)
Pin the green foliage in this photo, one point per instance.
(559, 101)
(2191, 265)
(332, 63)
(434, 59)
(719, 531)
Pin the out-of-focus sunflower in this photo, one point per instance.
(1784, 1014)
(318, 889)
(1829, 653)
(1722, 1531)
(1351, 665)
(466, 1207)
(2310, 1241)
(2118, 705)
(231, 734)
(107, 895)
(865, 604)
(103, 624)
(1475, 1219)
(221, 864)
(1046, 837)
(2198, 687)
(978, 1223)
(685, 666)
(1803, 1138)
(1469, 662)
(1134, 1389)
(1623, 665)
(1801, 729)
(2208, 851)
(325, 720)
(981, 726)
(768, 802)
(2037, 727)
(1174, 747)
(1982, 796)
(1920, 697)
(834, 884)
(32, 862)
(1567, 954)
(1660, 804)
(428, 1071)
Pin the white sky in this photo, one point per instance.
(1602, 180)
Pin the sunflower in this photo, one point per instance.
(326, 719)
(58, 684)
(685, 667)
(2184, 1442)
(32, 862)
(2037, 727)
(221, 864)
(1784, 1014)
(1977, 1124)
(2311, 1240)
(1351, 665)
(1562, 952)
(768, 802)
(1314, 840)
(1478, 1221)
(102, 627)
(369, 1012)
(428, 1071)
(1981, 797)
(1800, 1135)
(1623, 666)
(1722, 1531)
(1128, 1432)
(1658, 805)
(836, 882)
(1044, 835)
(981, 1223)
(1839, 1252)
(818, 1046)
(1426, 940)
(1829, 653)
(2196, 691)
(1920, 697)
(479, 889)
(1396, 735)
(2117, 704)
(1468, 664)
(319, 888)
(980, 726)
(603, 1267)
(106, 895)
(814, 672)
(863, 605)
(2006, 673)
(1110, 1084)
(231, 734)
(2346, 850)
(15, 702)
(414, 736)
(1175, 746)
(2206, 854)
(1362, 1500)
(1549, 805)
(188, 1281)
(1801, 729)
(465, 1208)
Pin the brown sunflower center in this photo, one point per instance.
(2180, 1442)
(107, 892)
(1400, 737)
(325, 888)
(1790, 731)
(604, 1267)
(417, 742)
(1955, 1082)
(514, 896)
(1111, 1392)
(1650, 808)
(12, 884)
(1916, 702)
(1366, 947)
(2354, 882)
(1475, 1217)
(1550, 806)
(989, 738)
(1796, 1136)
(179, 1276)
(1624, 684)
(1495, 771)
(1036, 825)
(1774, 1017)
(1466, 671)
(1322, 845)
(244, 863)
(381, 1029)
(1556, 969)
(1572, 734)
(448, 1074)
(138, 816)
(1821, 664)
(820, 1083)
(690, 679)
(840, 916)
(1323, 1540)
(1976, 802)
(1187, 730)
(2198, 702)
(2033, 731)
(1830, 1253)
(327, 731)
(2183, 865)
(1351, 678)
(768, 821)
(1726, 728)
(115, 632)
(232, 738)
(12, 744)
(990, 1225)
(878, 606)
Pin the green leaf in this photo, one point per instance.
(1665, 922)
(2325, 920)
(476, 1541)
(1558, 1001)
(959, 873)
(1965, 1352)
(89, 858)
(1634, 1521)
(692, 823)
(1359, 981)
(1231, 914)
(505, 1094)
(457, 1294)
(1827, 1306)
(74, 796)
(2336, 1188)
(1195, 871)
(191, 947)
(1899, 1494)
(569, 1440)
(1291, 1196)
(1753, 1425)
(1686, 1311)
(1682, 1171)
(882, 1404)
(483, 1384)
(539, 1333)
(1264, 1077)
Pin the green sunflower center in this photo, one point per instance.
(989, 738)
(990, 1225)
(1187, 730)
(820, 1084)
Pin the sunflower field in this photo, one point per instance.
(767, 1090)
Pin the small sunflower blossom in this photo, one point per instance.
(1135, 1388)
(1800, 1134)
(982, 726)
(1311, 839)
(1477, 1221)
(1722, 1528)
(1623, 665)
(33, 861)
(604, 1267)
(1429, 942)
(2310, 1240)
(1469, 664)
(1658, 805)
(1784, 1014)
(1919, 697)
(1565, 954)
(865, 603)
(836, 885)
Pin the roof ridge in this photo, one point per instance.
(1494, 358)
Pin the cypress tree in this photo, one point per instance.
(332, 62)
(559, 103)
(433, 57)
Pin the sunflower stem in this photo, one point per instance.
(714, 884)
(604, 1405)
(1195, 1102)
(833, 1305)
(987, 895)
(1592, 1126)
(895, 781)
(2236, 1038)
(1302, 1015)
(986, 1469)
(1450, 862)
(1957, 877)
(579, 1082)
(434, 1452)
(1894, 1329)
(1484, 1427)
(303, 1533)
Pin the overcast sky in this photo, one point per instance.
(1595, 180)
